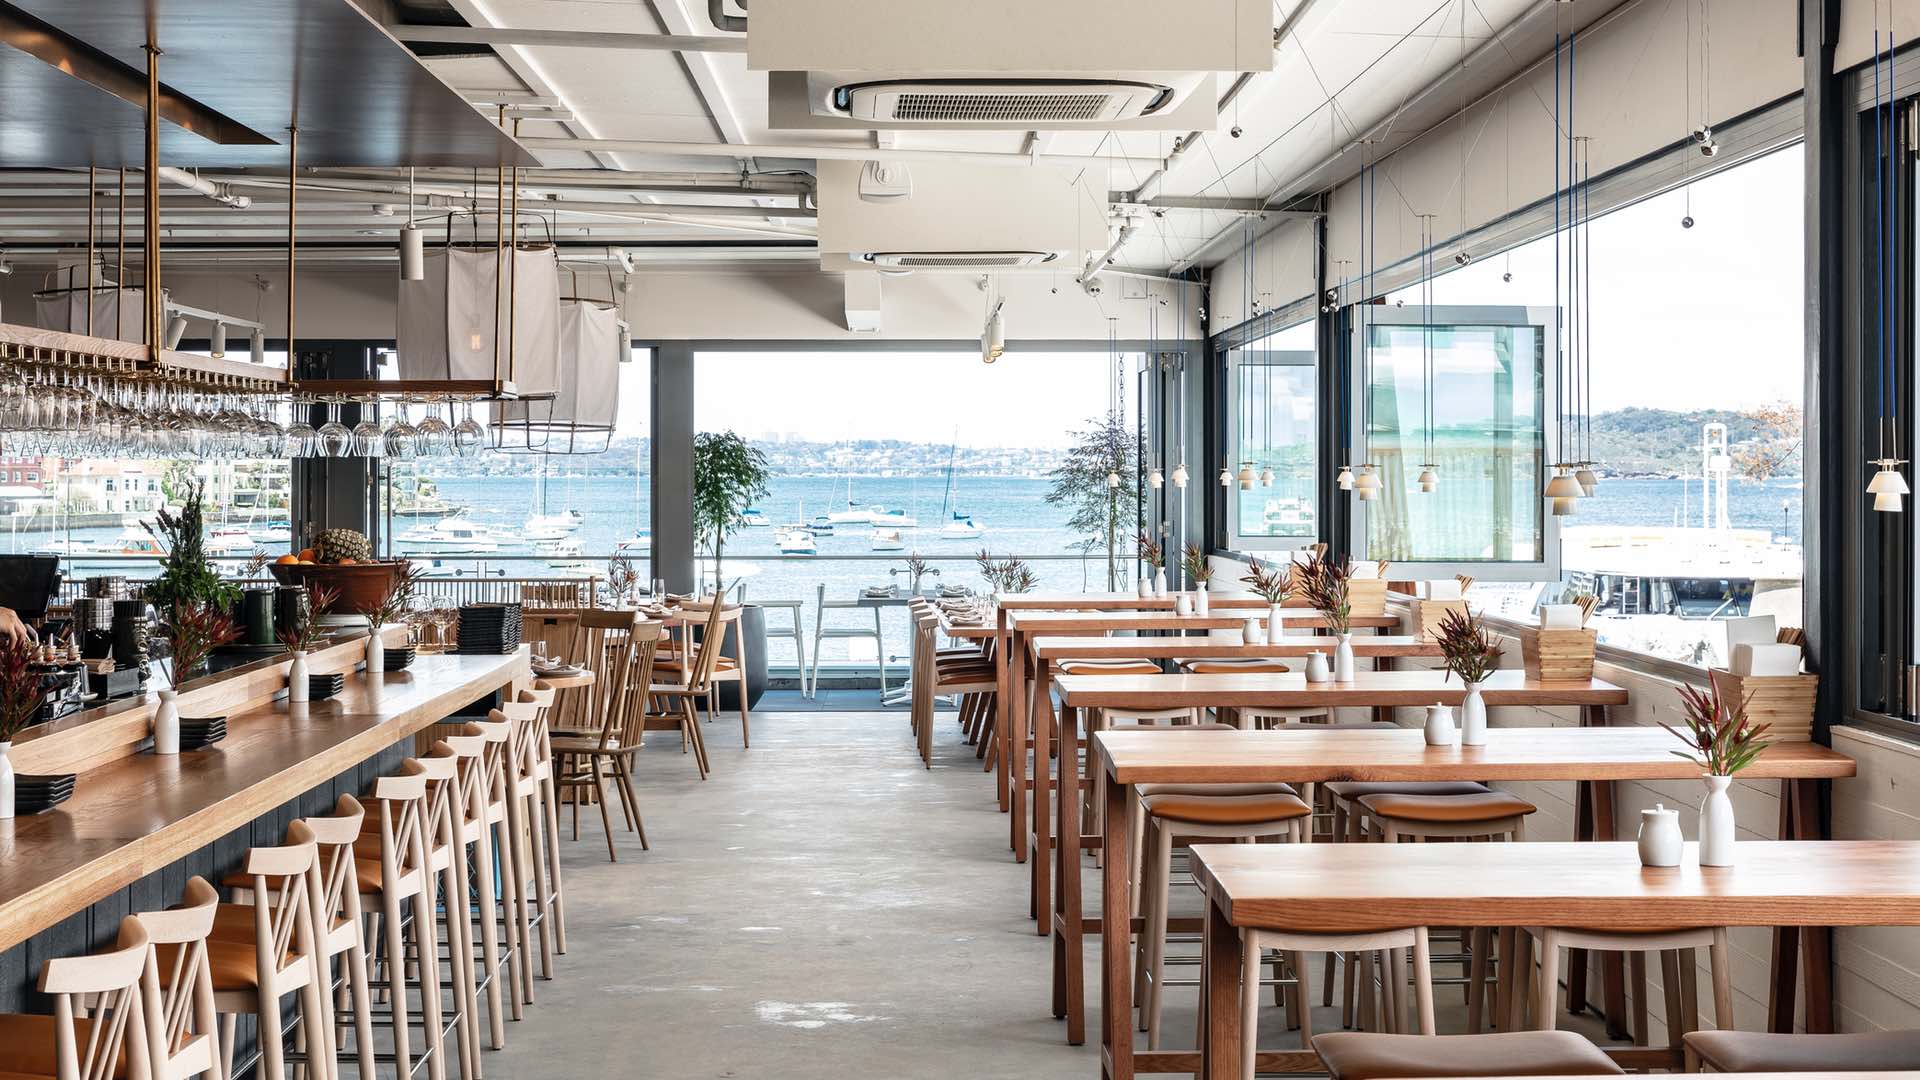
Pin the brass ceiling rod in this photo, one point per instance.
(293, 207)
(120, 262)
(499, 248)
(92, 216)
(150, 223)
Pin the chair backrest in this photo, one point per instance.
(468, 795)
(180, 1018)
(632, 729)
(550, 594)
(707, 655)
(404, 847)
(335, 895)
(102, 992)
(606, 644)
(282, 891)
(558, 629)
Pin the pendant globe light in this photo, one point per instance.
(1888, 487)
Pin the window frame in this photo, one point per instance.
(1547, 568)
(1237, 357)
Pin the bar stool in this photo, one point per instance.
(1758, 1051)
(251, 974)
(1489, 815)
(1239, 817)
(181, 1021)
(970, 677)
(1352, 1055)
(1676, 965)
(532, 777)
(1294, 947)
(821, 632)
(98, 1029)
(400, 880)
(798, 636)
(479, 816)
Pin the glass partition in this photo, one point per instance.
(1273, 417)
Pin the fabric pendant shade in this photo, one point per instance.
(580, 418)
(447, 318)
(118, 314)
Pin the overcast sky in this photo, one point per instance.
(1707, 317)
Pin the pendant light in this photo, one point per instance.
(1366, 486)
(1246, 476)
(413, 247)
(1155, 478)
(1345, 479)
(1266, 407)
(1226, 477)
(1564, 490)
(1429, 478)
(1179, 476)
(1888, 486)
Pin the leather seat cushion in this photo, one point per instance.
(1353, 1055)
(1164, 725)
(234, 965)
(1147, 790)
(234, 922)
(26, 1045)
(724, 663)
(1110, 667)
(1755, 1051)
(1233, 667)
(1481, 806)
(1226, 809)
(1358, 789)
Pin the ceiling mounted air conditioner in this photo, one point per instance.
(994, 102)
(1041, 218)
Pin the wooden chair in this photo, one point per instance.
(678, 698)
(534, 774)
(399, 879)
(181, 1021)
(934, 676)
(98, 1030)
(478, 813)
(599, 763)
(726, 669)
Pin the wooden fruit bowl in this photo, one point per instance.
(361, 586)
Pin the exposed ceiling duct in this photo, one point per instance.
(828, 153)
(564, 39)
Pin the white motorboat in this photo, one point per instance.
(753, 518)
(887, 540)
(796, 542)
(450, 536)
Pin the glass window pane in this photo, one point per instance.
(1485, 442)
(1274, 415)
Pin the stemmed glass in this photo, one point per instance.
(368, 440)
(400, 436)
(335, 439)
(445, 611)
(468, 436)
(434, 435)
(302, 440)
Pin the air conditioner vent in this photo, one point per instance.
(995, 101)
(959, 260)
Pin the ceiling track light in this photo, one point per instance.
(993, 339)
(219, 349)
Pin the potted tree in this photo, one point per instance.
(1100, 483)
(728, 475)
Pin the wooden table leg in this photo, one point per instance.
(1002, 708)
(1613, 973)
(1041, 708)
(1017, 743)
(1801, 818)
(1068, 934)
(1116, 941)
(1220, 998)
(1381, 663)
(1786, 942)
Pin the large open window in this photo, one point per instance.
(1697, 398)
(1272, 419)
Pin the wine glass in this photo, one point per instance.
(445, 613)
(468, 436)
(434, 435)
(400, 437)
(301, 438)
(335, 439)
(368, 440)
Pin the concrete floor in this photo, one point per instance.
(822, 908)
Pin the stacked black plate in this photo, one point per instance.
(38, 794)
(401, 659)
(490, 628)
(322, 687)
(198, 733)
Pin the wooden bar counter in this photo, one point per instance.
(138, 821)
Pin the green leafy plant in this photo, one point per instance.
(306, 634)
(1327, 586)
(1719, 736)
(1466, 647)
(1272, 582)
(1101, 509)
(1152, 553)
(21, 690)
(1194, 564)
(728, 475)
(192, 632)
(186, 575)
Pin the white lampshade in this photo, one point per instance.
(1587, 480)
(413, 254)
(176, 329)
(1180, 475)
(1564, 486)
(1887, 502)
(1367, 482)
(219, 348)
(1345, 479)
(1888, 481)
(1155, 478)
(1266, 477)
(257, 345)
(1226, 477)
(1366, 494)
(1246, 476)
(1428, 479)
(1566, 506)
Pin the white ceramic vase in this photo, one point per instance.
(166, 724)
(1473, 718)
(1144, 586)
(1160, 581)
(1659, 837)
(297, 688)
(1716, 823)
(1252, 633)
(1439, 729)
(6, 780)
(1343, 659)
(1183, 603)
(1276, 623)
(1200, 599)
(376, 652)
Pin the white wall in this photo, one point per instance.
(796, 303)
(1285, 268)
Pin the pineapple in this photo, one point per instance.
(340, 545)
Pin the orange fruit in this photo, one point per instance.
(306, 562)
(286, 560)
(307, 555)
(344, 562)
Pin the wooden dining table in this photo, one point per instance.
(1014, 712)
(1045, 652)
(1353, 888)
(1595, 756)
